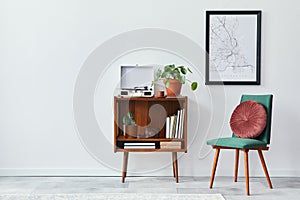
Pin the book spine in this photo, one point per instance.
(174, 126)
(170, 147)
(139, 144)
(169, 143)
(177, 125)
(182, 124)
(171, 126)
(139, 147)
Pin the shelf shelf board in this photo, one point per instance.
(177, 98)
(123, 139)
(151, 150)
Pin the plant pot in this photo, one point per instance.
(141, 131)
(174, 88)
(129, 131)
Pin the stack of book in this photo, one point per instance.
(141, 145)
(170, 145)
(175, 124)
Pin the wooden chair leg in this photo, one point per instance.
(246, 170)
(175, 165)
(125, 162)
(236, 166)
(214, 167)
(265, 167)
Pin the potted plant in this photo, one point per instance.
(129, 126)
(174, 77)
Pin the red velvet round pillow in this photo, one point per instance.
(248, 120)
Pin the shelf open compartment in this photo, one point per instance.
(150, 116)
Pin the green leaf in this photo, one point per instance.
(166, 74)
(130, 115)
(167, 83)
(189, 70)
(133, 122)
(128, 119)
(182, 69)
(169, 67)
(194, 86)
(176, 71)
(182, 79)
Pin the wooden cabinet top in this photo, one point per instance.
(178, 98)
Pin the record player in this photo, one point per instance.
(136, 81)
(137, 92)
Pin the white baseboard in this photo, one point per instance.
(162, 172)
(56, 172)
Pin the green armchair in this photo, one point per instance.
(245, 144)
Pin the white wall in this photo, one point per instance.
(43, 45)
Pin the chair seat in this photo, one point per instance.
(235, 142)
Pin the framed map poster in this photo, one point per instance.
(233, 47)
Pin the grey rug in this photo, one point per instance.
(111, 196)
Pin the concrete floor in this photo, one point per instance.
(284, 188)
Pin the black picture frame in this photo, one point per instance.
(229, 59)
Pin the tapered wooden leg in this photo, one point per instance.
(175, 165)
(125, 162)
(236, 166)
(214, 167)
(265, 167)
(246, 170)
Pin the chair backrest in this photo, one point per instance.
(266, 101)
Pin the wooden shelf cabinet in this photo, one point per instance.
(149, 113)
